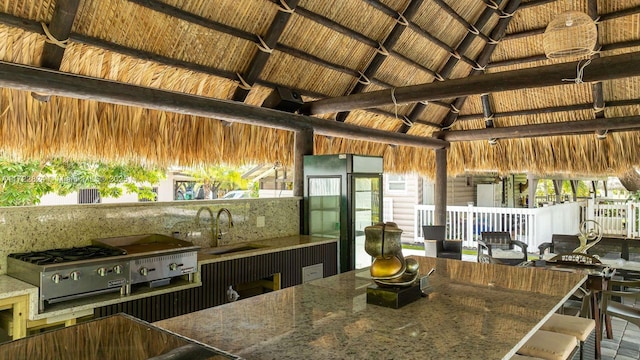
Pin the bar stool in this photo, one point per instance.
(570, 325)
(549, 345)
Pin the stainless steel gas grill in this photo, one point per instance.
(155, 258)
(109, 265)
(66, 274)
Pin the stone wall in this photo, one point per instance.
(34, 228)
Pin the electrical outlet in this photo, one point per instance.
(260, 221)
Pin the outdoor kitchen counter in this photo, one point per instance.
(475, 311)
(262, 247)
(11, 287)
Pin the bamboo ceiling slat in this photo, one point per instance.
(20, 46)
(355, 15)
(288, 71)
(233, 13)
(325, 43)
(438, 23)
(34, 10)
(161, 34)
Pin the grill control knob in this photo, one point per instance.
(173, 266)
(56, 278)
(144, 271)
(102, 271)
(74, 275)
(117, 269)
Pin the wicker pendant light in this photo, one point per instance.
(570, 34)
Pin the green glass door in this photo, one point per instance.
(366, 210)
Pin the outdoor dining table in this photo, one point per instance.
(472, 311)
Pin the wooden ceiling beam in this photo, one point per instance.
(566, 128)
(483, 59)
(270, 41)
(605, 68)
(28, 78)
(34, 27)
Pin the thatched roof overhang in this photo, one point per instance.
(241, 49)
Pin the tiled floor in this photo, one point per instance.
(625, 344)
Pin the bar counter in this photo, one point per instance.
(475, 311)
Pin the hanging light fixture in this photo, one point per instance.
(570, 34)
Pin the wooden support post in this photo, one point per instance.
(303, 145)
(533, 185)
(574, 189)
(440, 193)
(557, 188)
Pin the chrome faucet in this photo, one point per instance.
(218, 232)
(213, 231)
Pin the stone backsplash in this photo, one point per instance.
(45, 227)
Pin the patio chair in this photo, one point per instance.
(498, 245)
(628, 292)
(436, 244)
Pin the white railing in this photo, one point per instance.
(531, 226)
(617, 217)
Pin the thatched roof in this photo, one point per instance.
(321, 49)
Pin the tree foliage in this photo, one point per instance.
(218, 178)
(25, 182)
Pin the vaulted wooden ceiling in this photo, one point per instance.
(143, 80)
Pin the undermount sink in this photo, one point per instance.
(232, 249)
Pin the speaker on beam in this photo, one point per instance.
(283, 99)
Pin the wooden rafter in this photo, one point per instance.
(380, 56)
(28, 78)
(596, 87)
(549, 129)
(270, 41)
(483, 59)
(35, 27)
(550, 110)
(541, 57)
(59, 29)
(448, 67)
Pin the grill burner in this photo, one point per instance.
(58, 256)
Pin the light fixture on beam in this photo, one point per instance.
(571, 34)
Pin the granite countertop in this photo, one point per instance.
(475, 311)
(10, 286)
(261, 247)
